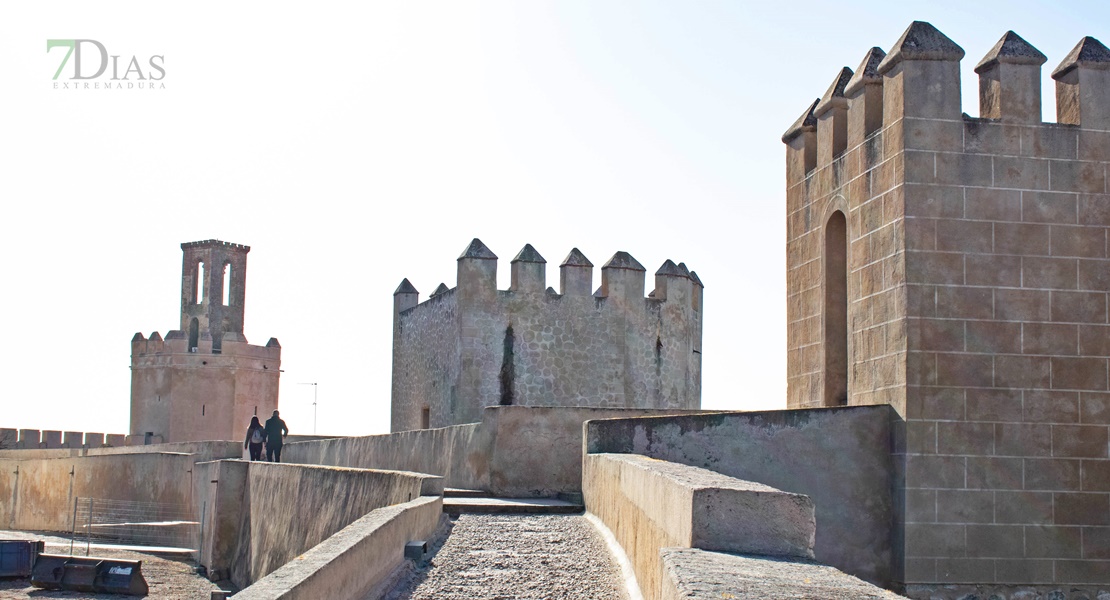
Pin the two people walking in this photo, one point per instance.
(272, 435)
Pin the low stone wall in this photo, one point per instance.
(37, 494)
(839, 457)
(692, 574)
(259, 516)
(651, 504)
(515, 451)
(454, 453)
(202, 451)
(357, 560)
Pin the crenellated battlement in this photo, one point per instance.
(622, 278)
(473, 346)
(920, 80)
(215, 244)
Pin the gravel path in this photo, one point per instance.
(516, 557)
(167, 578)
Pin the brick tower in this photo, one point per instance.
(203, 381)
(958, 269)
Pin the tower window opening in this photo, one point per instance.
(202, 410)
(836, 311)
(227, 285)
(198, 293)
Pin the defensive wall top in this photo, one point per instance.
(622, 276)
(920, 79)
(215, 243)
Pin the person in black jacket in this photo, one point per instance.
(256, 434)
(275, 434)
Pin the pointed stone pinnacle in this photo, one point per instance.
(623, 260)
(442, 289)
(867, 72)
(921, 41)
(806, 122)
(669, 268)
(697, 280)
(528, 254)
(576, 259)
(405, 288)
(1088, 53)
(1011, 49)
(477, 249)
(834, 96)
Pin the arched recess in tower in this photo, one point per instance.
(194, 333)
(836, 310)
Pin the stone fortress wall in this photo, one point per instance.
(957, 268)
(475, 346)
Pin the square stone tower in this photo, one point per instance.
(958, 269)
(474, 346)
(203, 381)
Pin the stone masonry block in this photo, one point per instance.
(1024, 239)
(931, 471)
(986, 137)
(995, 541)
(1096, 542)
(1022, 371)
(965, 169)
(1094, 275)
(1094, 340)
(1050, 273)
(1094, 145)
(1049, 207)
(965, 236)
(993, 337)
(1080, 373)
(1048, 406)
(934, 201)
(1083, 571)
(1074, 176)
(993, 405)
(1094, 408)
(938, 335)
(1020, 508)
(1083, 242)
(1019, 571)
(1081, 307)
(1052, 474)
(939, 403)
(1053, 541)
(965, 506)
(1050, 338)
(1022, 305)
(998, 270)
(1022, 439)
(1083, 441)
(965, 438)
(927, 539)
(1094, 210)
(992, 204)
(1024, 173)
(994, 473)
(960, 570)
(958, 302)
(1049, 140)
(934, 267)
(1082, 508)
(966, 370)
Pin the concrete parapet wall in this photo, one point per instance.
(356, 561)
(839, 457)
(515, 451)
(453, 453)
(651, 504)
(692, 574)
(259, 516)
(38, 494)
(201, 451)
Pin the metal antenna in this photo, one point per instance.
(314, 388)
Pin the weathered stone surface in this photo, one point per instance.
(693, 574)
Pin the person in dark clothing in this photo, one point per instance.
(275, 434)
(256, 434)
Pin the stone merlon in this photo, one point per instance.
(921, 41)
(477, 249)
(1011, 49)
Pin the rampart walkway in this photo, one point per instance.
(519, 557)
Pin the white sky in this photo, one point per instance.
(354, 144)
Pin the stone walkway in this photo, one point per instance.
(518, 557)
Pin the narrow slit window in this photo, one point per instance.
(836, 310)
(198, 293)
(227, 284)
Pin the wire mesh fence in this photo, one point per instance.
(133, 523)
